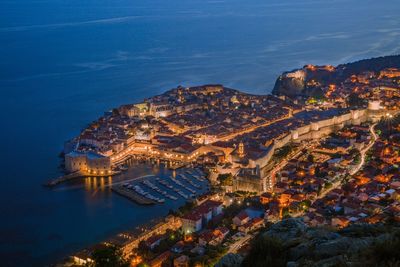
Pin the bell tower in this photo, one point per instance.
(241, 150)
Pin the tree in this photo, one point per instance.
(266, 251)
(109, 256)
(354, 100)
(115, 112)
(386, 253)
(225, 179)
(305, 204)
(327, 185)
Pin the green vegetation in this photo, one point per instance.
(109, 256)
(364, 230)
(245, 193)
(212, 255)
(171, 237)
(230, 212)
(385, 253)
(305, 204)
(144, 251)
(266, 251)
(354, 100)
(283, 152)
(225, 179)
(328, 185)
(285, 212)
(185, 208)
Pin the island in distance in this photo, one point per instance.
(323, 147)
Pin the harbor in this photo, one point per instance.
(158, 190)
(170, 185)
(75, 175)
(119, 168)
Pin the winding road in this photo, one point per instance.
(365, 150)
(239, 243)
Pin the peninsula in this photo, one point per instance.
(324, 148)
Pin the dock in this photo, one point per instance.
(177, 166)
(73, 175)
(132, 195)
(64, 178)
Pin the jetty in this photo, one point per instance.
(158, 190)
(177, 165)
(179, 183)
(75, 175)
(184, 177)
(64, 178)
(132, 195)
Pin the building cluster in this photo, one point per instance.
(179, 240)
(309, 160)
(206, 233)
(130, 240)
(179, 125)
(260, 145)
(370, 196)
(248, 220)
(231, 131)
(198, 218)
(358, 88)
(314, 172)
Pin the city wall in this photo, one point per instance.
(314, 130)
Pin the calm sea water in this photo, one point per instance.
(62, 63)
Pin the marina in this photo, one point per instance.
(197, 174)
(169, 186)
(179, 183)
(189, 181)
(172, 186)
(158, 190)
(143, 193)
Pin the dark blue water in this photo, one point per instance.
(62, 63)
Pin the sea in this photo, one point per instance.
(64, 63)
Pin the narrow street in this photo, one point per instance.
(365, 150)
(238, 244)
(251, 129)
(337, 181)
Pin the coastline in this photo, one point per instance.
(313, 123)
(157, 212)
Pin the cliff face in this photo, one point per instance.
(308, 80)
(290, 85)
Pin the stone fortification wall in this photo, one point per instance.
(314, 130)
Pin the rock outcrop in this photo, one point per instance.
(230, 260)
(321, 246)
(290, 84)
(308, 80)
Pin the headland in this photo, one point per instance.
(266, 156)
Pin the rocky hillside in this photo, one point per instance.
(292, 243)
(308, 80)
